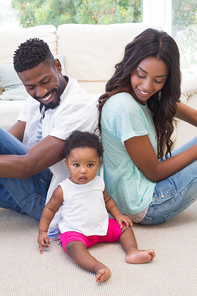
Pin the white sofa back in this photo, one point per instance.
(91, 51)
(12, 38)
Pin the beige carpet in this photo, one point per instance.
(23, 271)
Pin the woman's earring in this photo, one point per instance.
(159, 95)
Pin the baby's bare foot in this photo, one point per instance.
(140, 256)
(103, 274)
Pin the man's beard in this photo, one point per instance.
(51, 105)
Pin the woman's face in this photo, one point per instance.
(149, 77)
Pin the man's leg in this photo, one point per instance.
(7, 202)
(23, 195)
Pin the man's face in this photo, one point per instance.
(44, 83)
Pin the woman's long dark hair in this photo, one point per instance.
(158, 44)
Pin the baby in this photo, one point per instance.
(85, 205)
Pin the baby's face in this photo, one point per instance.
(83, 164)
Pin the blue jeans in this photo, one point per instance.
(174, 194)
(26, 196)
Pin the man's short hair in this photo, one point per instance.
(79, 139)
(31, 53)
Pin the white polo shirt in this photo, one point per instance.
(77, 111)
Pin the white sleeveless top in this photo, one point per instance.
(83, 209)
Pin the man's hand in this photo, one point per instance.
(120, 218)
(43, 241)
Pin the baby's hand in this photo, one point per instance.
(43, 241)
(124, 219)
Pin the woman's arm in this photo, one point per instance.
(186, 113)
(144, 157)
(47, 216)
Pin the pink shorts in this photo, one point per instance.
(113, 234)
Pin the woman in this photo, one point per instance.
(149, 183)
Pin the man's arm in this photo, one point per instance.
(41, 156)
(18, 130)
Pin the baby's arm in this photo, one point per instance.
(115, 212)
(47, 216)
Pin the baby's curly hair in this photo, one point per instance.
(31, 53)
(79, 139)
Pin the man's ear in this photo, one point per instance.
(58, 65)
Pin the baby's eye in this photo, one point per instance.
(90, 165)
(76, 165)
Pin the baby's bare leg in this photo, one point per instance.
(129, 244)
(78, 252)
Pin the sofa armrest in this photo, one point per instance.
(9, 111)
(184, 130)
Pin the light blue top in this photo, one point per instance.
(123, 118)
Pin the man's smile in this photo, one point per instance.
(45, 99)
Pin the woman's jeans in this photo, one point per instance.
(26, 196)
(174, 194)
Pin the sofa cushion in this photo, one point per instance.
(11, 84)
(189, 82)
(11, 39)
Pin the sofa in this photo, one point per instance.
(87, 53)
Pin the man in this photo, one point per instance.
(57, 105)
